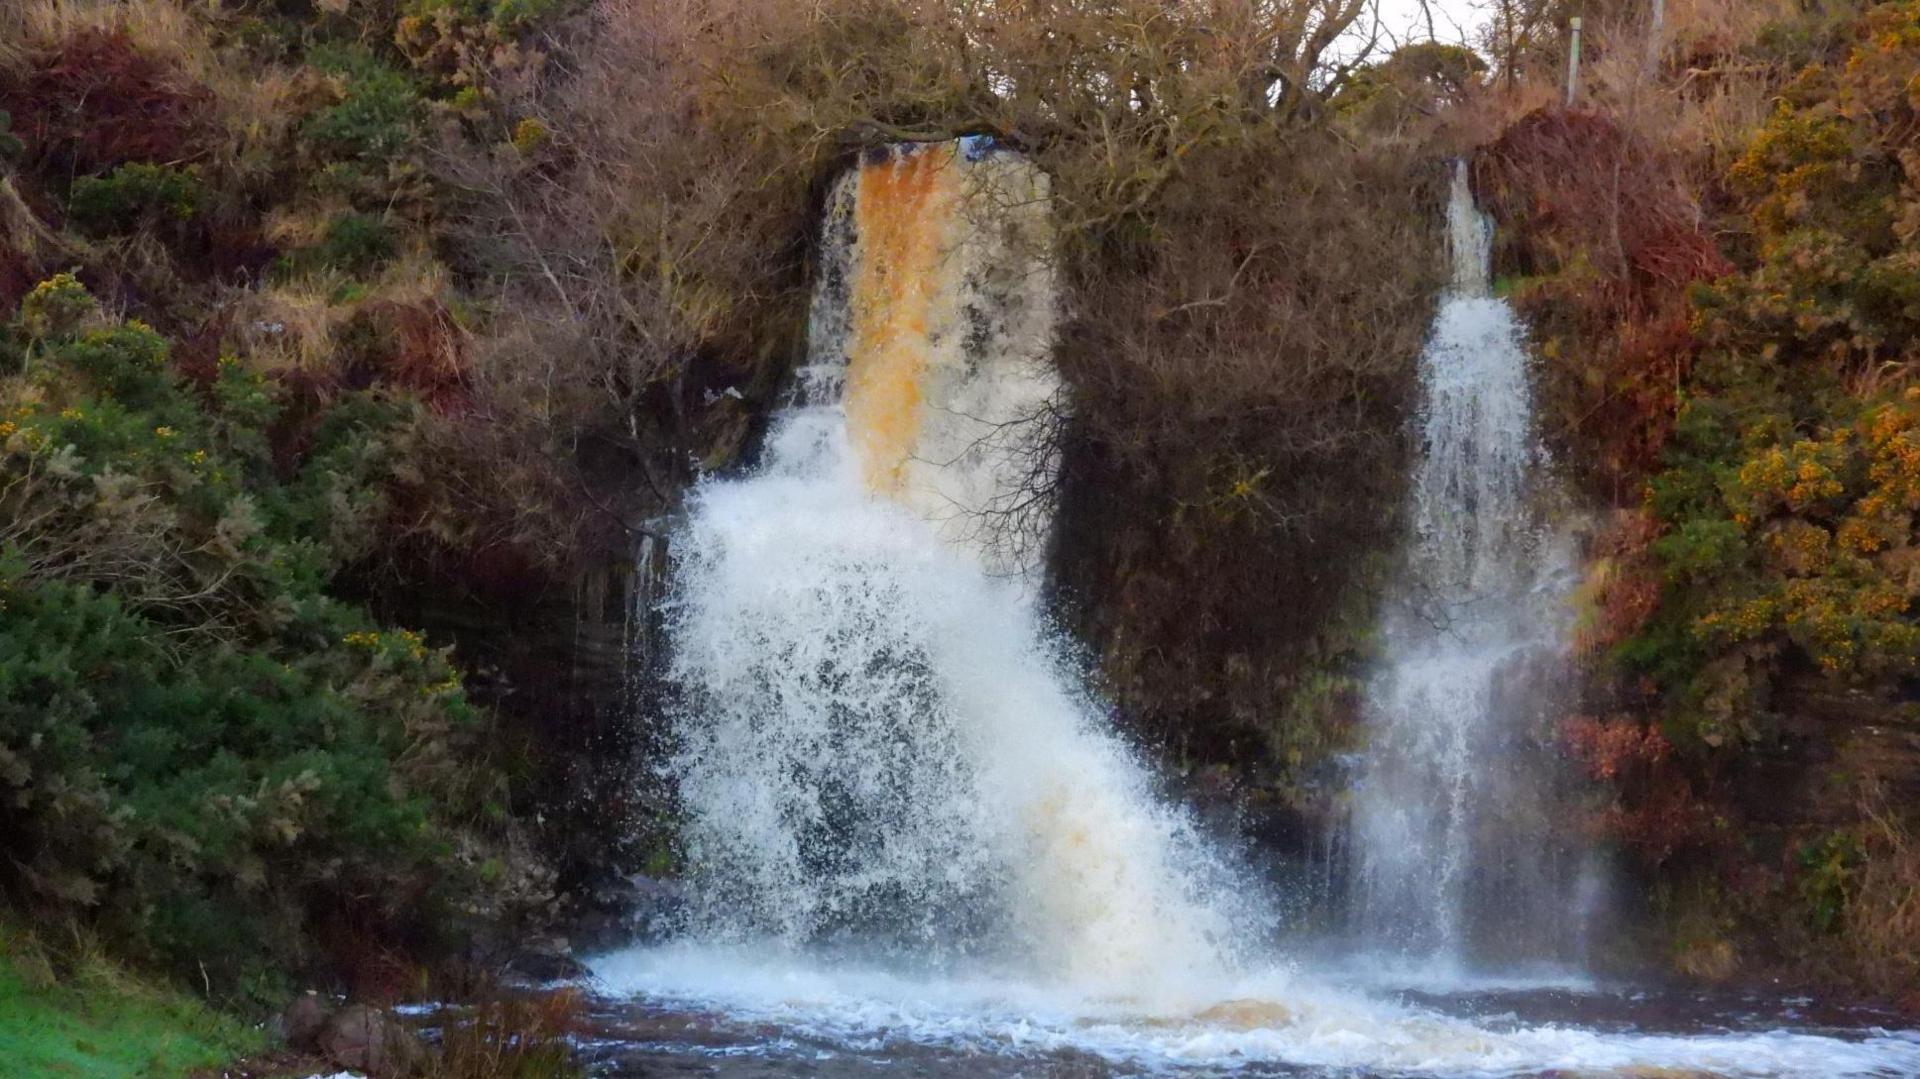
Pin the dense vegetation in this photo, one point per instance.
(1731, 324)
(214, 758)
(347, 347)
(203, 747)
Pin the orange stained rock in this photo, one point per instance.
(903, 214)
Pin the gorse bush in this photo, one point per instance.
(132, 195)
(1715, 249)
(201, 749)
(1792, 490)
(376, 116)
(356, 243)
(1755, 608)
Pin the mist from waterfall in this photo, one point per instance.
(1456, 855)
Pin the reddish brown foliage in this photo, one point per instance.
(1663, 821)
(412, 346)
(416, 347)
(370, 955)
(1653, 812)
(1623, 584)
(305, 393)
(1610, 748)
(1652, 358)
(233, 252)
(1668, 257)
(1583, 188)
(196, 355)
(98, 101)
(1606, 226)
(513, 1034)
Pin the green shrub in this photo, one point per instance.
(377, 116)
(506, 14)
(134, 195)
(58, 305)
(1791, 490)
(356, 243)
(1829, 868)
(353, 243)
(201, 748)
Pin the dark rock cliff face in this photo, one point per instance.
(1802, 872)
(566, 659)
(1833, 746)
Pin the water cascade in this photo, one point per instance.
(1454, 860)
(877, 740)
(913, 844)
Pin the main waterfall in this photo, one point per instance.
(877, 741)
(913, 845)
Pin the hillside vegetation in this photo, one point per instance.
(1728, 314)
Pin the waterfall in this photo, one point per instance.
(879, 746)
(1455, 858)
(913, 844)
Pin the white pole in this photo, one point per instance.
(1573, 61)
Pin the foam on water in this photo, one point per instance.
(1268, 1017)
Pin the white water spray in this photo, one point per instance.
(877, 740)
(1450, 822)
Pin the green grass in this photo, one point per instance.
(100, 1022)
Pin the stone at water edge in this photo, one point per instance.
(301, 1023)
(548, 959)
(368, 1039)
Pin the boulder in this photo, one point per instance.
(548, 959)
(369, 1040)
(303, 1020)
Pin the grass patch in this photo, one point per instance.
(98, 1021)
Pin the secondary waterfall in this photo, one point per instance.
(878, 744)
(1451, 825)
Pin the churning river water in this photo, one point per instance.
(748, 1012)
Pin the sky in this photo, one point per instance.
(1453, 19)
